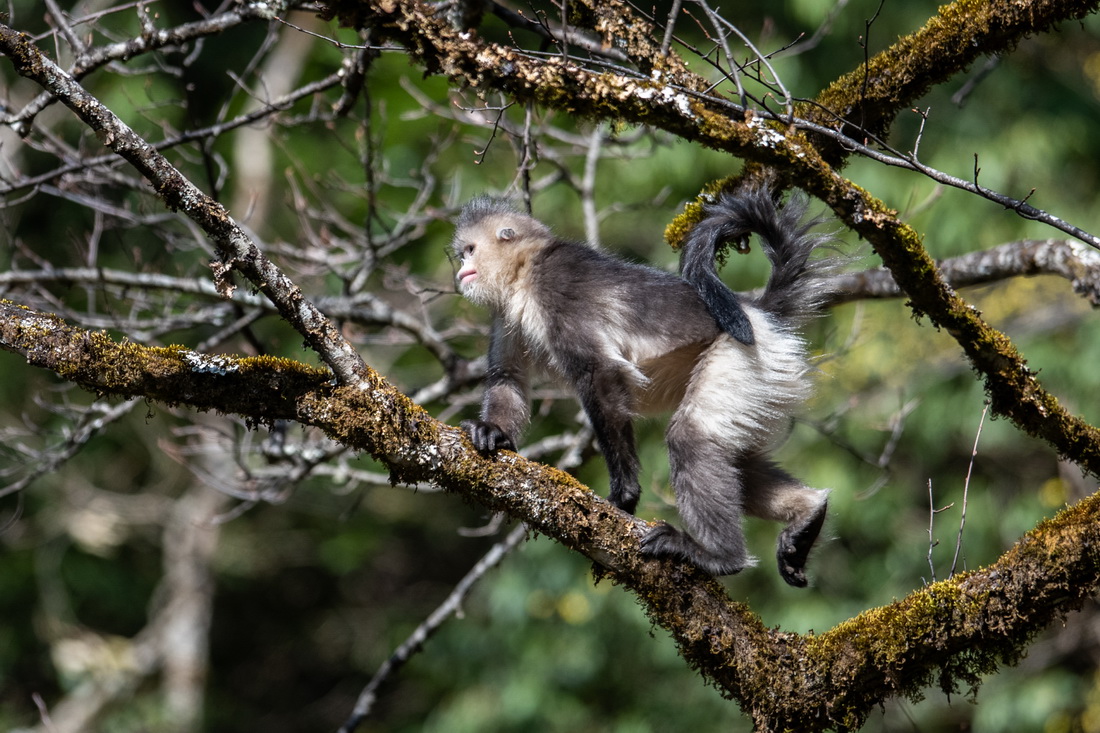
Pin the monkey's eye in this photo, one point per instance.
(506, 233)
(467, 250)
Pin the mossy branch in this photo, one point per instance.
(870, 96)
(959, 628)
(236, 249)
(955, 630)
(1014, 390)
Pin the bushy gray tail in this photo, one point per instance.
(798, 286)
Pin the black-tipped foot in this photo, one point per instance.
(664, 540)
(794, 546)
(487, 437)
(625, 500)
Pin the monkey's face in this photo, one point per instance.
(494, 252)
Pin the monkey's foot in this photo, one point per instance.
(664, 540)
(627, 501)
(487, 437)
(794, 546)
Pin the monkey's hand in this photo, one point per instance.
(487, 437)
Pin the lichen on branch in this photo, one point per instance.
(957, 629)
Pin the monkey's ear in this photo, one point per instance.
(506, 233)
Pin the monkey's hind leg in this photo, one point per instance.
(709, 498)
(772, 493)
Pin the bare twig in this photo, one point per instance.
(966, 491)
(758, 57)
(100, 56)
(237, 249)
(932, 542)
(90, 425)
(931, 522)
(818, 35)
(194, 135)
(670, 26)
(363, 307)
(430, 625)
(572, 458)
(558, 33)
(972, 83)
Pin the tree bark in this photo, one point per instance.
(952, 631)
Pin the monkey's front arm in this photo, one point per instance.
(601, 387)
(505, 407)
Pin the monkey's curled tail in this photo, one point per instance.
(798, 286)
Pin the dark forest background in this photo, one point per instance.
(302, 567)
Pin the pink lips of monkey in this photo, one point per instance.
(466, 275)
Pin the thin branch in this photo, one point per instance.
(670, 26)
(91, 424)
(236, 248)
(195, 135)
(788, 100)
(971, 621)
(909, 161)
(556, 32)
(732, 70)
(100, 56)
(363, 307)
(61, 19)
(959, 98)
(818, 35)
(451, 606)
(950, 42)
(931, 523)
(966, 491)
(573, 445)
(932, 542)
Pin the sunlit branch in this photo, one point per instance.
(88, 60)
(237, 249)
(1064, 258)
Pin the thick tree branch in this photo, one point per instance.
(1068, 259)
(955, 629)
(373, 417)
(871, 96)
(1014, 390)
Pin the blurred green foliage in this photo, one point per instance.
(314, 593)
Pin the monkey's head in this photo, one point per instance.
(494, 242)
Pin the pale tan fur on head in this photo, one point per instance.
(495, 244)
